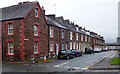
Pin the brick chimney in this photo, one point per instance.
(60, 19)
(67, 21)
(43, 9)
(51, 16)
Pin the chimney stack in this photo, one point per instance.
(51, 16)
(43, 9)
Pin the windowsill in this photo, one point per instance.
(36, 35)
(10, 34)
(36, 53)
(51, 37)
(10, 54)
(36, 17)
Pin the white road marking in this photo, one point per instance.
(66, 67)
(112, 56)
(76, 67)
(60, 65)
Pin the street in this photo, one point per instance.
(78, 64)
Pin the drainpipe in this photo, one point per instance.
(48, 39)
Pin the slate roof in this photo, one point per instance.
(16, 11)
(54, 23)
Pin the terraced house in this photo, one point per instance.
(28, 33)
(24, 31)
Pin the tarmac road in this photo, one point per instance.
(78, 64)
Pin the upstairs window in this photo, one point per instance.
(85, 38)
(77, 28)
(35, 30)
(62, 34)
(10, 47)
(51, 32)
(81, 37)
(36, 12)
(89, 39)
(76, 36)
(10, 29)
(70, 35)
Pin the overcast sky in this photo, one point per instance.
(100, 16)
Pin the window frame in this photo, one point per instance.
(62, 34)
(52, 46)
(9, 22)
(63, 45)
(77, 46)
(70, 35)
(37, 12)
(52, 36)
(37, 29)
(36, 40)
(76, 36)
(70, 45)
(82, 39)
(10, 40)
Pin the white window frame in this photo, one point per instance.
(81, 37)
(70, 35)
(62, 46)
(36, 47)
(76, 45)
(70, 45)
(35, 27)
(76, 36)
(36, 12)
(66, 46)
(79, 46)
(85, 38)
(10, 28)
(51, 45)
(62, 34)
(51, 31)
(10, 48)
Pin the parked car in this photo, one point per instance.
(105, 49)
(97, 50)
(77, 52)
(65, 54)
(89, 50)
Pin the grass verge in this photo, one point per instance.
(115, 61)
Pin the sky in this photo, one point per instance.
(100, 16)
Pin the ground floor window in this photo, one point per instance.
(66, 45)
(36, 47)
(76, 45)
(70, 45)
(62, 46)
(79, 46)
(10, 48)
(51, 46)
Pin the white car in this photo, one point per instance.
(97, 50)
(105, 49)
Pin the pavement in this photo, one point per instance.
(104, 64)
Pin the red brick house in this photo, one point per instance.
(57, 35)
(24, 31)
